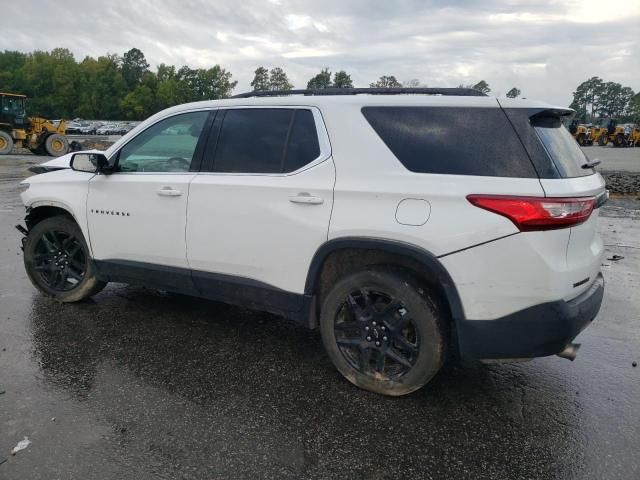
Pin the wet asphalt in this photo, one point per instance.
(140, 384)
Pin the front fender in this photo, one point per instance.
(64, 189)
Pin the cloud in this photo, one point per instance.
(545, 48)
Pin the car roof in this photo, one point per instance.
(335, 102)
(365, 99)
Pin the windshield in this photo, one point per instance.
(561, 147)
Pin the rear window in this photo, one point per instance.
(452, 140)
(561, 147)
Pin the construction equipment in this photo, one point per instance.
(39, 135)
(581, 133)
(631, 135)
(615, 134)
(600, 135)
(595, 134)
(634, 139)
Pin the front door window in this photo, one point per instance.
(167, 146)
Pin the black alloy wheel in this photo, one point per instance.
(60, 260)
(384, 331)
(376, 335)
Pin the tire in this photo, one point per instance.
(56, 145)
(51, 243)
(618, 141)
(383, 332)
(6, 143)
(603, 140)
(581, 139)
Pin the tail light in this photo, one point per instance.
(537, 213)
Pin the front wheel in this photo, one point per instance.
(57, 260)
(603, 140)
(384, 333)
(56, 145)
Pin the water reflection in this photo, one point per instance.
(187, 382)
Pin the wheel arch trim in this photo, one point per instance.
(52, 203)
(430, 262)
(66, 208)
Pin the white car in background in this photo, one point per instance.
(407, 225)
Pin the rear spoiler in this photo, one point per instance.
(550, 112)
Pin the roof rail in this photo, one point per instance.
(460, 92)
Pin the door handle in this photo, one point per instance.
(306, 198)
(168, 191)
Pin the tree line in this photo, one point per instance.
(125, 87)
(109, 87)
(594, 98)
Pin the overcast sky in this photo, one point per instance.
(545, 48)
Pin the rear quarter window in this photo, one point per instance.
(561, 147)
(452, 140)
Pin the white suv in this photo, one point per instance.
(406, 224)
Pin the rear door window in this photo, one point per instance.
(561, 147)
(303, 146)
(266, 140)
(452, 140)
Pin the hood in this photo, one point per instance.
(58, 163)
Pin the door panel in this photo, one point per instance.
(250, 226)
(139, 213)
(130, 219)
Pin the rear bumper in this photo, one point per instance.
(536, 331)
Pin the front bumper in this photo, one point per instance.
(537, 331)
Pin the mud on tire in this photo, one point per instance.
(384, 332)
(57, 260)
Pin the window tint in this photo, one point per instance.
(167, 146)
(303, 143)
(448, 140)
(561, 147)
(266, 140)
(253, 140)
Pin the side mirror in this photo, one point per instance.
(89, 162)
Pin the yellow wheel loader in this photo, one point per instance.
(600, 135)
(581, 133)
(41, 136)
(616, 134)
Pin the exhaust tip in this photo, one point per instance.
(570, 352)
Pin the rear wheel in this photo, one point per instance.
(56, 145)
(581, 139)
(383, 332)
(57, 260)
(6, 143)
